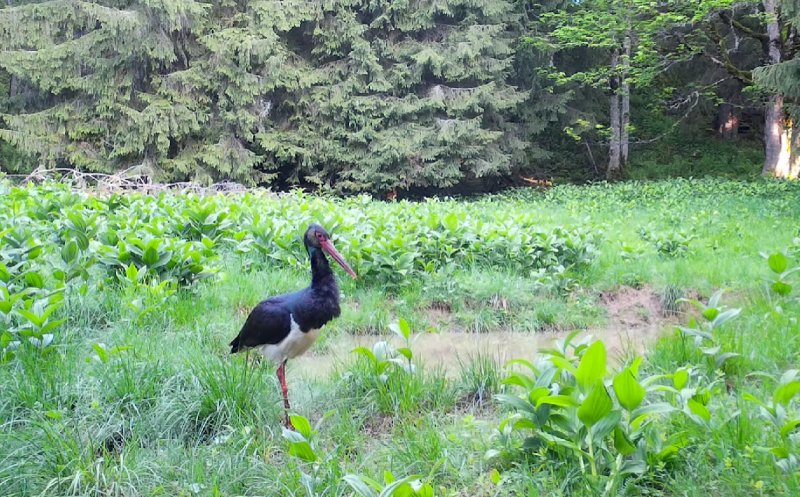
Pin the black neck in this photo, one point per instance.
(322, 276)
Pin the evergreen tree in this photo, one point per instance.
(404, 94)
(102, 72)
(363, 94)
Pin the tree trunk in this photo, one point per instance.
(614, 152)
(728, 121)
(794, 152)
(777, 126)
(626, 103)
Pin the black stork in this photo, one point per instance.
(283, 327)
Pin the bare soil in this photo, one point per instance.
(635, 319)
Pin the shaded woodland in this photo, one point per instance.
(386, 96)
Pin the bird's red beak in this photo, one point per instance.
(329, 249)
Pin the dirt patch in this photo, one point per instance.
(635, 319)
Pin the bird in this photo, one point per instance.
(285, 326)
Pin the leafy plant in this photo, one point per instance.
(410, 486)
(572, 407)
(779, 265)
(713, 316)
(779, 414)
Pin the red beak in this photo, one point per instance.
(329, 249)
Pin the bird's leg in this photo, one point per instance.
(282, 378)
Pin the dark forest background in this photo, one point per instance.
(400, 96)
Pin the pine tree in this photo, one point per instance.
(402, 94)
(360, 94)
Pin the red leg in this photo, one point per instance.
(282, 378)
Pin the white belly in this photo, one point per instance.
(292, 346)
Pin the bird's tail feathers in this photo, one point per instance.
(235, 345)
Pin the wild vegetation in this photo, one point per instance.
(387, 96)
(115, 312)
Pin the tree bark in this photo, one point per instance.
(614, 153)
(728, 121)
(777, 125)
(626, 103)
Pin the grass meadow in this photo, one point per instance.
(633, 339)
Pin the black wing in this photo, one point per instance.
(268, 323)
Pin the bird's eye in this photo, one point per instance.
(320, 236)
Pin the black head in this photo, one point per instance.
(317, 238)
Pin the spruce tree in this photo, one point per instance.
(402, 94)
(359, 94)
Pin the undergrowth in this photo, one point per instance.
(115, 311)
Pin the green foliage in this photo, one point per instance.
(374, 95)
(567, 410)
(131, 401)
(782, 415)
(712, 316)
(385, 377)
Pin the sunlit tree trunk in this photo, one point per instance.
(727, 122)
(777, 126)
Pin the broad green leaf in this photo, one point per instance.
(150, 256)
(395, 489)
(537, 393)
(450, 221)
(789, 427)
(680, 378)
(34, 279)
(301, 425)
(101, 352)
(359, 486)
(5, 339)
(51, 325)
(699, 409)
(426, 490)
(786, 392)
(778, 262)
(525, 424)
(724, 317)
(720, 359)
(629, 392)
(516, 402)
(299, 447)
(405, 352)
(517, 379)
(366, 353)
(643, 413)
(781, 288)
(564, 364)
(494, 476)
(557, 400)
(592, 368)
(405, 329)
(622, 443)
(31, 317)
(595, 406)
(606, 425)
(69, 252)
(779, 452)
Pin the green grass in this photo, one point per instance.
(172, 413)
